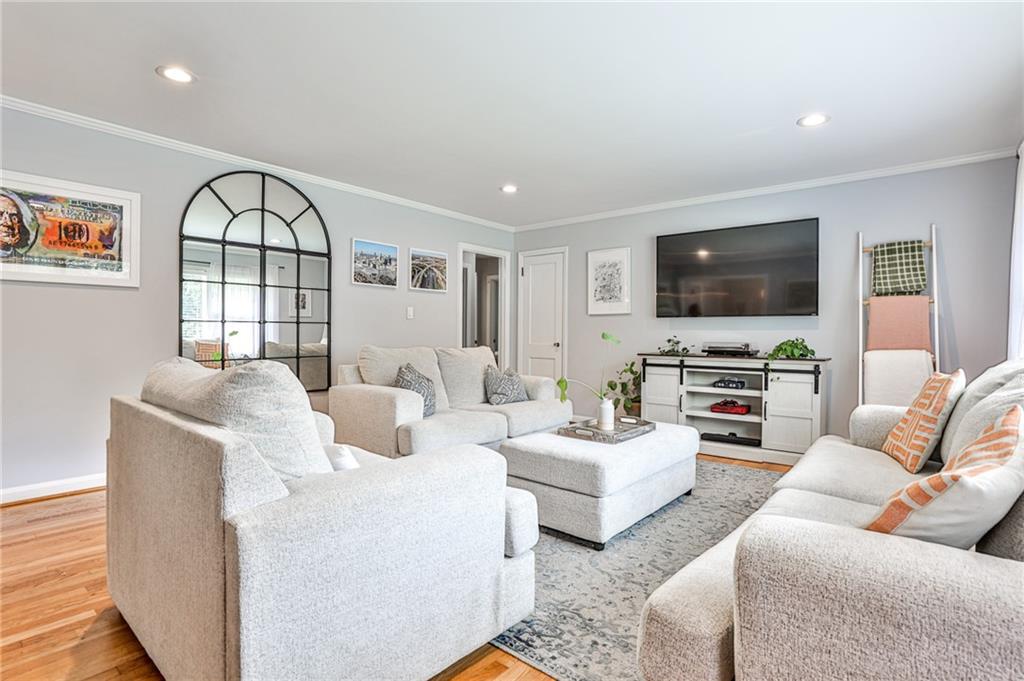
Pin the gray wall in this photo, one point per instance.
(971, 206)
(67, 349)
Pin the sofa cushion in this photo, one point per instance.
(463, 372)
(912, 440)
(448, 428)
(261, 401)
(984, 400)
(379, 366)
(530, 416)
(409, 378)
(798, 503)
(973, 492)
(838, 468)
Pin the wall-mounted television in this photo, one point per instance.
(752, 271)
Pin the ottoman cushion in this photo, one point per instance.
(598, 469)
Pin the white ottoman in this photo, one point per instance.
(593, 491)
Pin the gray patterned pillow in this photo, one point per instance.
(504, 387)
(410, 379)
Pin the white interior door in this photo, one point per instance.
(542, 314)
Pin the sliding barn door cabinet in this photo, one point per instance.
(786, 399)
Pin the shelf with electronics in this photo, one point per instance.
(785, 397)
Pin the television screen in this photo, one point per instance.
(754, 271)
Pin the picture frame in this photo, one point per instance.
(428, 270)
(62, 232)
(300, 305)
(609, 281)
(375, 263)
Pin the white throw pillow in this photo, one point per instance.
(341, 457)
(261, 401)
(974, 491)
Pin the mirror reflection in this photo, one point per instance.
(246, 292)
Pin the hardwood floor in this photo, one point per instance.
(57, 620)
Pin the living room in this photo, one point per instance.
(512, 341)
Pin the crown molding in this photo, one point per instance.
(44, 111)
(979, 157)
(79, 120)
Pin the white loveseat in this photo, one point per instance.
(369, 413)
(801, 592)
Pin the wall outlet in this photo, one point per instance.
(410, 312)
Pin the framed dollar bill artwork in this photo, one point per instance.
(66, 232)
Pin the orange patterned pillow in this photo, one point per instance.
(966, 499)
(915, 437)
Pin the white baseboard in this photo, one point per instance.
(51, 487)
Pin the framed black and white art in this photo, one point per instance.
(608, 281)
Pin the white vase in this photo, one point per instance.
(606, 417)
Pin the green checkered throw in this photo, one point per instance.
(898, 269)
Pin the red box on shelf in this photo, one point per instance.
(730, 407)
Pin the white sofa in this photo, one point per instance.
(814, 596)
(223, 570)
(369, 413)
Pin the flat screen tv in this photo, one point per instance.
(753, 271)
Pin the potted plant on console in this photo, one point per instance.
(794, 348)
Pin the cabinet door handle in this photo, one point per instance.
(680, 402)
(764, 412)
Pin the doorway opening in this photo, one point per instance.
(484, 300)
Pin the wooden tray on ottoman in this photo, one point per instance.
(626, 428)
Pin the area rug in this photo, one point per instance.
(588, 602)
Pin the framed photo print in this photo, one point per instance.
(428, 270)
(608, 281)
(301, 304)
(68, 233)
(374, 263)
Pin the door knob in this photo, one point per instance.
(557, 344)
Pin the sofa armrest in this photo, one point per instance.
(327, 570)
(540, 387)
(870, 424)
(368, 416)
(324, 427)
(818, 601)
(521, 528)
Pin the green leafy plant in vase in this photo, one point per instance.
(794, 348)
(606, 415)
(627, 389)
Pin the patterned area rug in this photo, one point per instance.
(588, 602)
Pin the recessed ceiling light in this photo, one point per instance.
(179, 74)
(509, 188)
(275, 241)
(813, 120)
(703, 253)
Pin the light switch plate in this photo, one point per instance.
(410, 312)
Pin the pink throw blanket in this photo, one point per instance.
(899, 323)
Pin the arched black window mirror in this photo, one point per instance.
(255, 263)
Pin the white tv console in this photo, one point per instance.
(787, 409)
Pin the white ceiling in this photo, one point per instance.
(587, 107)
